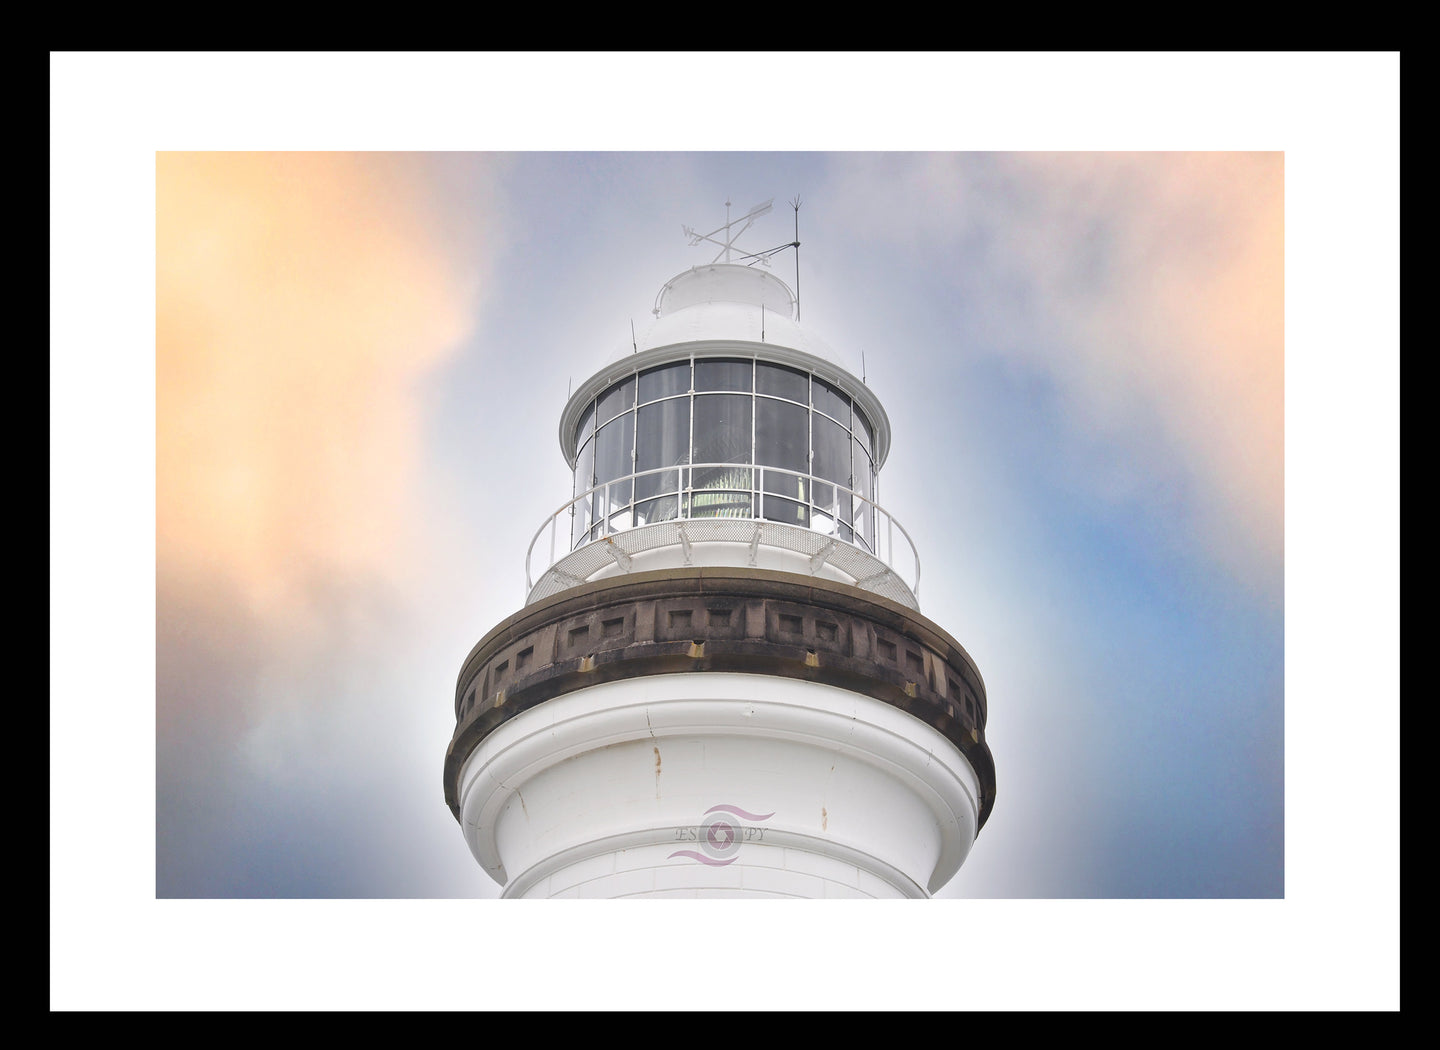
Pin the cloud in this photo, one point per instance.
(298, 299)
(1149, 288)
(302, 766)
(301, 302)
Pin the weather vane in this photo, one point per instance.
(731, 236)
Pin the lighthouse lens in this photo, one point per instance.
(810, 446)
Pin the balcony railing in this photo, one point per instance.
(709, 491)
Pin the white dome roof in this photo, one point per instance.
(718, 310)
(727, 301)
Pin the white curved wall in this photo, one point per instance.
(605, 792)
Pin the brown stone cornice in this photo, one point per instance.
(694, 620)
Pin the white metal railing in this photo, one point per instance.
(600, 518)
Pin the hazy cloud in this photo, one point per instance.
(1149, 287)
(300, 301)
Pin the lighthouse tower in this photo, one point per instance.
(721, 684)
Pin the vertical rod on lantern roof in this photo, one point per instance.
(796, 205)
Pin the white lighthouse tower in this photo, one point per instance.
(721, 684)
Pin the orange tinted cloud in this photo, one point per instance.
(298, 299)
(1150, 288)
(1188, 324)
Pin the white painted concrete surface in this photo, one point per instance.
(613, 791)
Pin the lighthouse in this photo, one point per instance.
(721, 683)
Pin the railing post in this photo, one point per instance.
(864, 526)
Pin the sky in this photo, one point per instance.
(359, 363)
